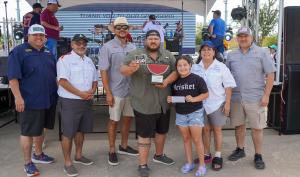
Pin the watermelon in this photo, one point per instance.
(157, 69)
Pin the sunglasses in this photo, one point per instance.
(123, 27)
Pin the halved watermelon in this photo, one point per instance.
(157, 69)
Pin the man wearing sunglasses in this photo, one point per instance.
(116, 85)
(78, 79)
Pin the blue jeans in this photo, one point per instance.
(51, 44)
(218, 43)
(195, 118)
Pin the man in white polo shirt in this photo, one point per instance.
(77, 78)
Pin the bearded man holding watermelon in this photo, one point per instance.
(152, 70)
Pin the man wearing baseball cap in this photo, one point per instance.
(217, 28)
(253, 71)
(32, 78)
(77, 79)
(51, 24)
(153, 24)
(31, 18)
(116, 85)
(149, 100)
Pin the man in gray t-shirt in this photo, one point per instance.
(253, 71)
(116, 86)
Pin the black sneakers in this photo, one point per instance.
(163, 159)
(113, 159)
(237, 154)
(258, 162)
(143, 171)
(128, 151)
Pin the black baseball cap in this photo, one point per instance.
(79, 37)
(37, 5)
(152, 17)
(217, 12)
(152, 33)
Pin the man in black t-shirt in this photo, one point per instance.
(31, 18)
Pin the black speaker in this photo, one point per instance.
(291, 35)
(3, 65)
(290, 111)
(172, 45)
(63, 46)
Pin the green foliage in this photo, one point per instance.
(199, 27)
(270, 40)
(268, 18)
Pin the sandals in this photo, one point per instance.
(201, 171)
(217, 163)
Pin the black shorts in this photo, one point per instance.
(33, 121)
(76, 116)
(149, 124)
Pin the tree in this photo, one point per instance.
(269, 40)
(268, 17)
(199, 27)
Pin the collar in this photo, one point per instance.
(28, 46)
(159, 54)
(118, 41)
(75, 55)
(210, 66)
(250, 48)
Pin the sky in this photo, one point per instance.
(25, 7)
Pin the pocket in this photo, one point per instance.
(262, 114)
(76, 75)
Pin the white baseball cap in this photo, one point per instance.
(36, 29)
(54, 2)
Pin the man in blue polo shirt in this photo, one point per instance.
(32, 78)
(217, 28)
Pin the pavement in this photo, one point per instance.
(280, 154)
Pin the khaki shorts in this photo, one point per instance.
(121, 107)
(253, 112)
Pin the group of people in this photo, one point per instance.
(47, 19)
(205, 94)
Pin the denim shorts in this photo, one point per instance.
(195, 118)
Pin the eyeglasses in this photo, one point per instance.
(123, 27)
(84, 44)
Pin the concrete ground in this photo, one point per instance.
(281, 154)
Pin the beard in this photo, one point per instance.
(153, 49)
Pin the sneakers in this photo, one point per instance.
(83, 160)
(163, 159)
(207, 159)
(186, 168)
(237, 154)
(258, 162)
(70, 170)
(201, 171)
(143, 171)
(43, 158)
(31, 170)
(113, 159)
(128, 151)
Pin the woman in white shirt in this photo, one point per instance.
(217, 106)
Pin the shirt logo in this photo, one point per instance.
(28, 50)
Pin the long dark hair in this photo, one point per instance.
(187, 58)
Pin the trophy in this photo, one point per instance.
(157, 71)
